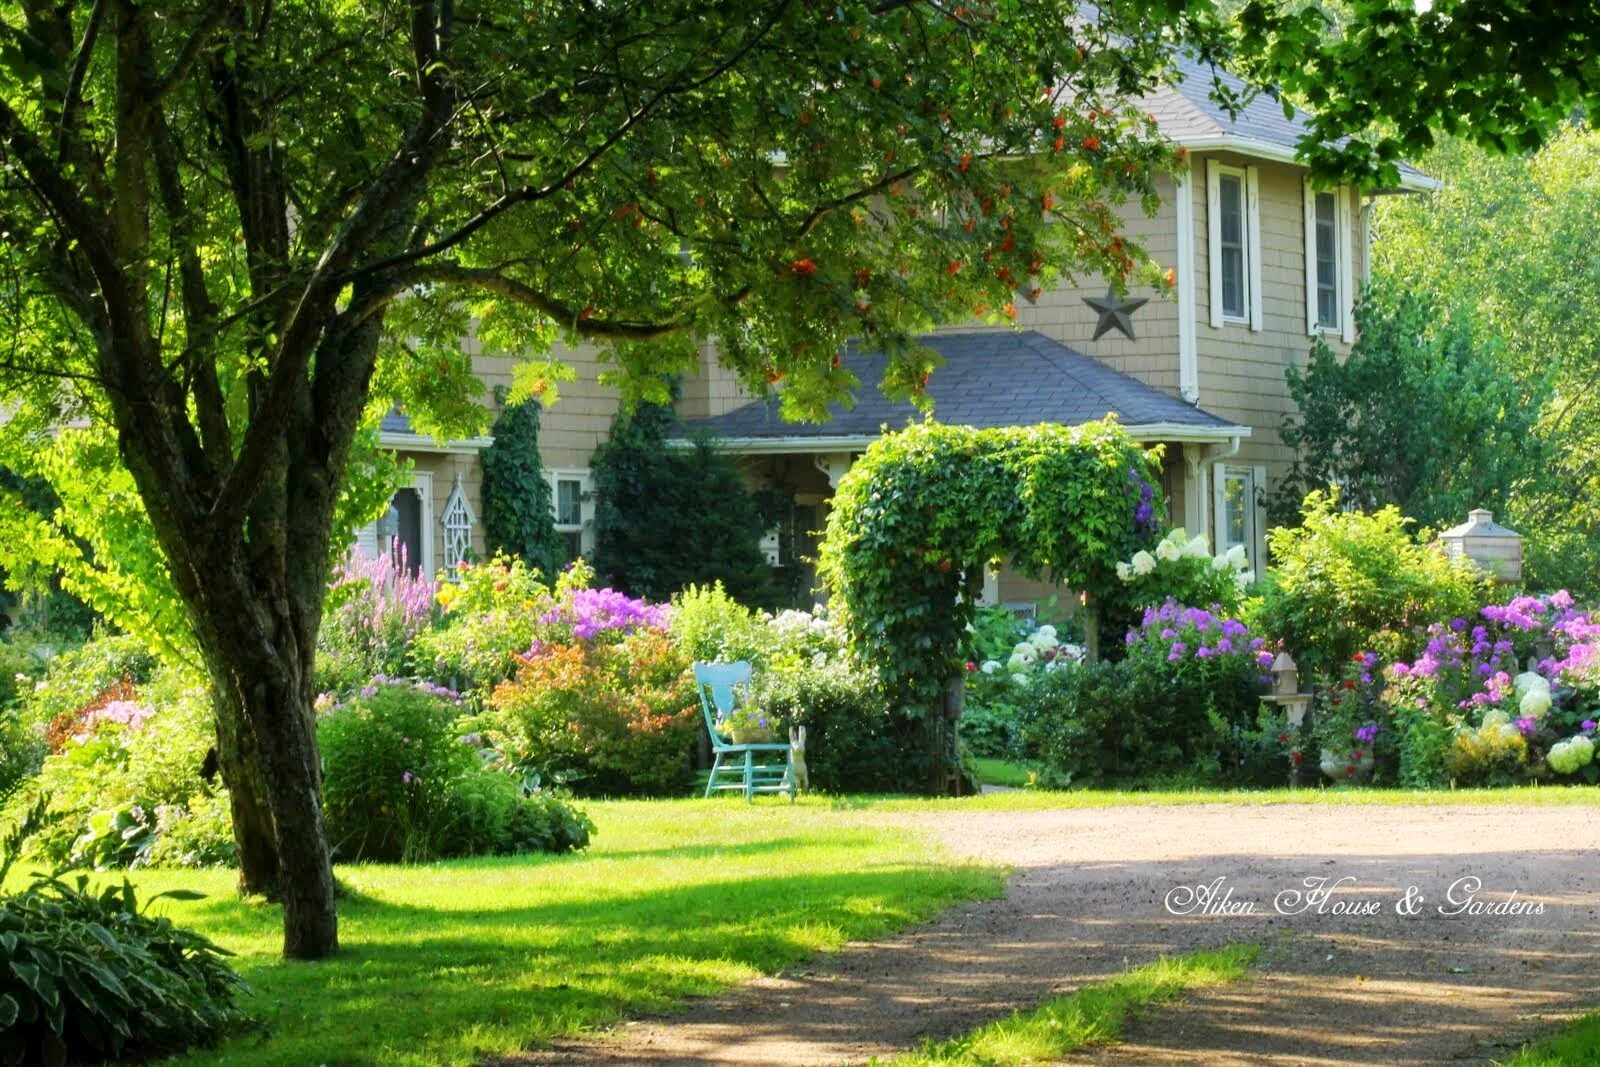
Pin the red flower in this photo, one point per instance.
(1058, 122)
(1297, 758)
(1092, 143)
(1058, 144)
(953, 269)
(971, 666)
(1283, 739)
(966, 161)
(804, 267)
(1349, 684)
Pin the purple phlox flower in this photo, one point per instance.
(1233, 628)
(1256, 642)
(1366, 677)
(1400, 670)
(1224, 646)
(1561, 600)
(1528, 725)
(1366, 734)
(1458, 624)
(1203, 652)
(407, 777)
(1178, 649)
(369, 691)
(592, 612)
(1168, 634)
(1587, 726)
(1130, 638)
(1264, 660)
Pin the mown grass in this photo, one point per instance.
(455, 962)
(1093, 1015)
(1575, 1045)
(1002, 772)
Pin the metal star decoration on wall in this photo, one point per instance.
(1114, 312)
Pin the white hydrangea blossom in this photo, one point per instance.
(1198, 548)
(1169, 551)
(1494, 718)
(1221, 564)
(1143, 562)
(989, 666)
(1567, 756)
(1237, 556)
(1528, 682)
(1535, 702)
(1125, 571)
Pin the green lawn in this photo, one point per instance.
(1093, 1015)
(445, 964)
(1000, 772)
(1574, 1045)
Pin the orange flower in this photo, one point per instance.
(803, 267)
(1092, 143)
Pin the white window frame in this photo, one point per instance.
(585, 528)
(1343, 267)
(1255, 479)
(1250, 189)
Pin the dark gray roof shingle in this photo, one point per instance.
(990, 378)
(1187, 113)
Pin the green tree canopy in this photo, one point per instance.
(233, 230)
(1422, 414)
(1509, 243)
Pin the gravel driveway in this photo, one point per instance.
(1095, 890)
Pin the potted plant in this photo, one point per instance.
(748, 725)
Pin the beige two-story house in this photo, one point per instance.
(1264, 260)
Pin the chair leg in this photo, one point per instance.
(711, 782)
(749, 776)
(789, 773)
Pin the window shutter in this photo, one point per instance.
(1253, 241)
(1214, 240)
(1310, 203)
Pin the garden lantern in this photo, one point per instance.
(1496, 549)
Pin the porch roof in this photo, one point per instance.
(990, 378)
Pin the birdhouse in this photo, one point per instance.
(1496, 549)
(1286, 675)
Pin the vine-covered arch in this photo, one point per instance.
(925, 510)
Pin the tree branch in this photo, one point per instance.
(217, 12)
(531, 194)
(80, 70)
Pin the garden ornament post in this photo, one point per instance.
(1287, 695)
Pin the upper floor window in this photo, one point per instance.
(1329, 276)
(1234, 225)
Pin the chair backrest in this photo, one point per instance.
(716, 683)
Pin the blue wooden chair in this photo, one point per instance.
(738, 766)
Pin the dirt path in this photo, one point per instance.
(1089, 899)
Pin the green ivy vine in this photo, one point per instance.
(925, 509)
(517, 517)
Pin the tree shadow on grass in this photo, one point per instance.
(570, 955)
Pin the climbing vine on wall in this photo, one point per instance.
(920, 515)
(517, 517)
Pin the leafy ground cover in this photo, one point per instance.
(451, 962)
(1093, 1015)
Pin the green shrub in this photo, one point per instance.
(710, 626)
(991, 731)
(403, 782)
(77, 679)
(855, 743)
(491, 616)
(605, 717)
(1342, 578)
(1066, 722)
(91, 978)
(130, 770)
(667, 518)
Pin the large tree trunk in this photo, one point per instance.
(264, 704)
(250, 803)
